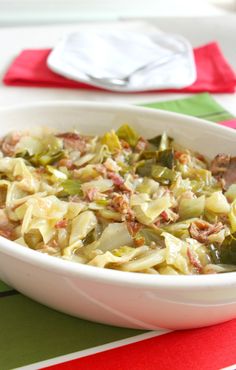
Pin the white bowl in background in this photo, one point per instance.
(119, 298)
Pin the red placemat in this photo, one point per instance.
(210, 348)
(214, 74)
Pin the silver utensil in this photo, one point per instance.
(124, 81)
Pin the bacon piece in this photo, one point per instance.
(62, 224)
(69, 136)
(91, 194)
(40, 170)
(201, 230)
(193, 260)
(177, 154)
(9, 142)
(138, 242)
(130, 216)
(7, 233)
(68, 163)
(201, 157)
(223, 167)
(7, 228)
(164, 215)
(230, 175)
(116, 178)
(141, 145)
(124, 144)
(157, 223)
(182, 157)
(121, 203)
(133, 227)
(73, 141)
(220, 164)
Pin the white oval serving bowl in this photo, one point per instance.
(108, 296)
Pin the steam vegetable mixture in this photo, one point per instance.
(119, 201)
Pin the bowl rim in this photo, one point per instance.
(109, 276)
(114, 106)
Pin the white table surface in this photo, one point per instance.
(197, 30)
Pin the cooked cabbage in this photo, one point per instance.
(117, 201)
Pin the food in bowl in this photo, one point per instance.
(119, 201)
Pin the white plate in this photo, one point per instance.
(114, 297)
(115, 53)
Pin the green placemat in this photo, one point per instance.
(201, 105)
(4, 287)
(31, 332)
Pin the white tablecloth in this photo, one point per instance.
(197, 30)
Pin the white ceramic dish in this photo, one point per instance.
(108, 296)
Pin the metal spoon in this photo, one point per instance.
(124, 81)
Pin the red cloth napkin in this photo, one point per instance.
(214, 74)
(230, 123)
(210, 348)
